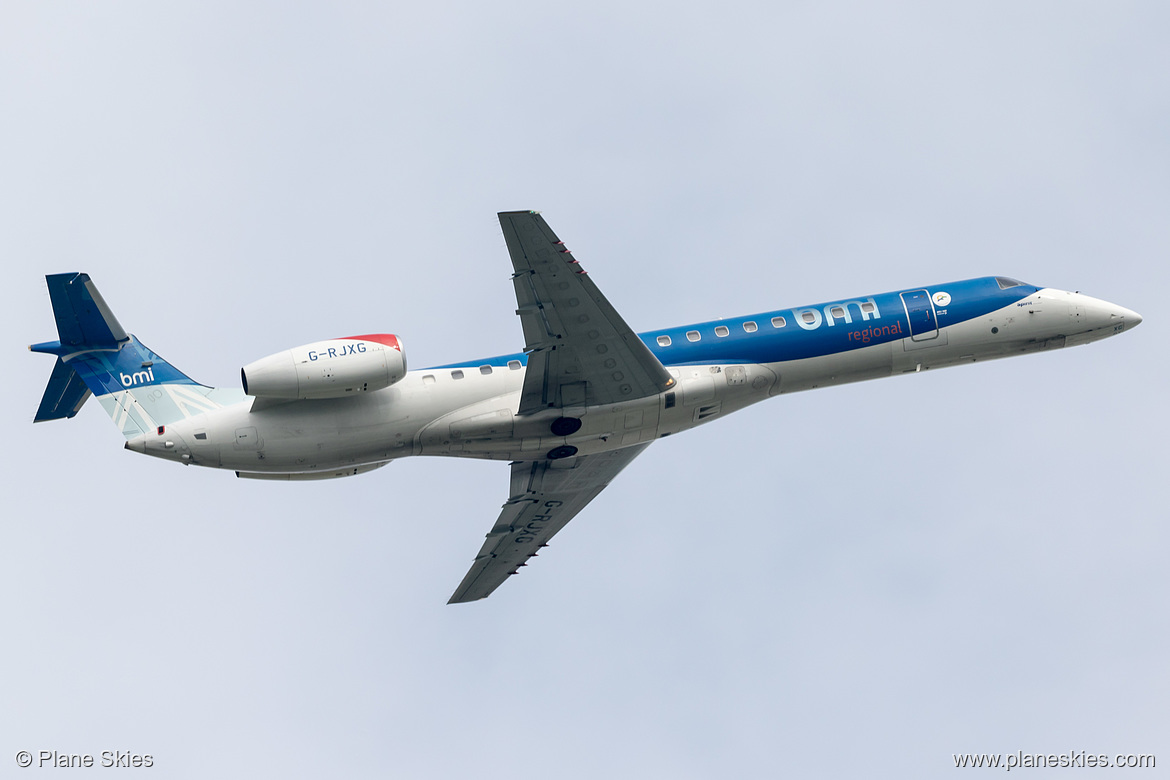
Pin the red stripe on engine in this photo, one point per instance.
(389, 339)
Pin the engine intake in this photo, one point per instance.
(328, 369)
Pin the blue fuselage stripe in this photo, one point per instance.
(812, 331)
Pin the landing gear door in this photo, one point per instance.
(920, 313)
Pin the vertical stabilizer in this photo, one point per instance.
(138, 388)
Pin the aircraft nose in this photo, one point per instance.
(1095, 314)
(1132, 318)
(1114, 315)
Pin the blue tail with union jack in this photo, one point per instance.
(95, 356)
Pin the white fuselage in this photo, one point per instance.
(470, 411)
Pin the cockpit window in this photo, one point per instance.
(1004, 282)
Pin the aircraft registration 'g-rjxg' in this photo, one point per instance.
(582, 400)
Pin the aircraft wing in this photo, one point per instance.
(544, 496)
(580, 350)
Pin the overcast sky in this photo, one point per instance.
(853, 582)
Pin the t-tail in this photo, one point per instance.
(95, 356)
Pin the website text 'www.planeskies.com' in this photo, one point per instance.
(1071, 760)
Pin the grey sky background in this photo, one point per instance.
(852, 582)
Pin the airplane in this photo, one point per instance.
(584, 397)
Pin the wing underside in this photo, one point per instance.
(544, 496)
(580, 350)
(581, 353)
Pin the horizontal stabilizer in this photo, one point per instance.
(64, 395)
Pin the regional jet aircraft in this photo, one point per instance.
(584, 398)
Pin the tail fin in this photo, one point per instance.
(95, 355)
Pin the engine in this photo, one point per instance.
(328, 369)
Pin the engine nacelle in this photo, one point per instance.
(328, 369)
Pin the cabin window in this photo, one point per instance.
(485, 370)
(693, 335)
(457, 374)
(429, 379)
(779, 322)
(721, 331)
(513, 365)
(664, 341)
(867, 307)
(809, 317)
(749, 327)
(837, 311)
